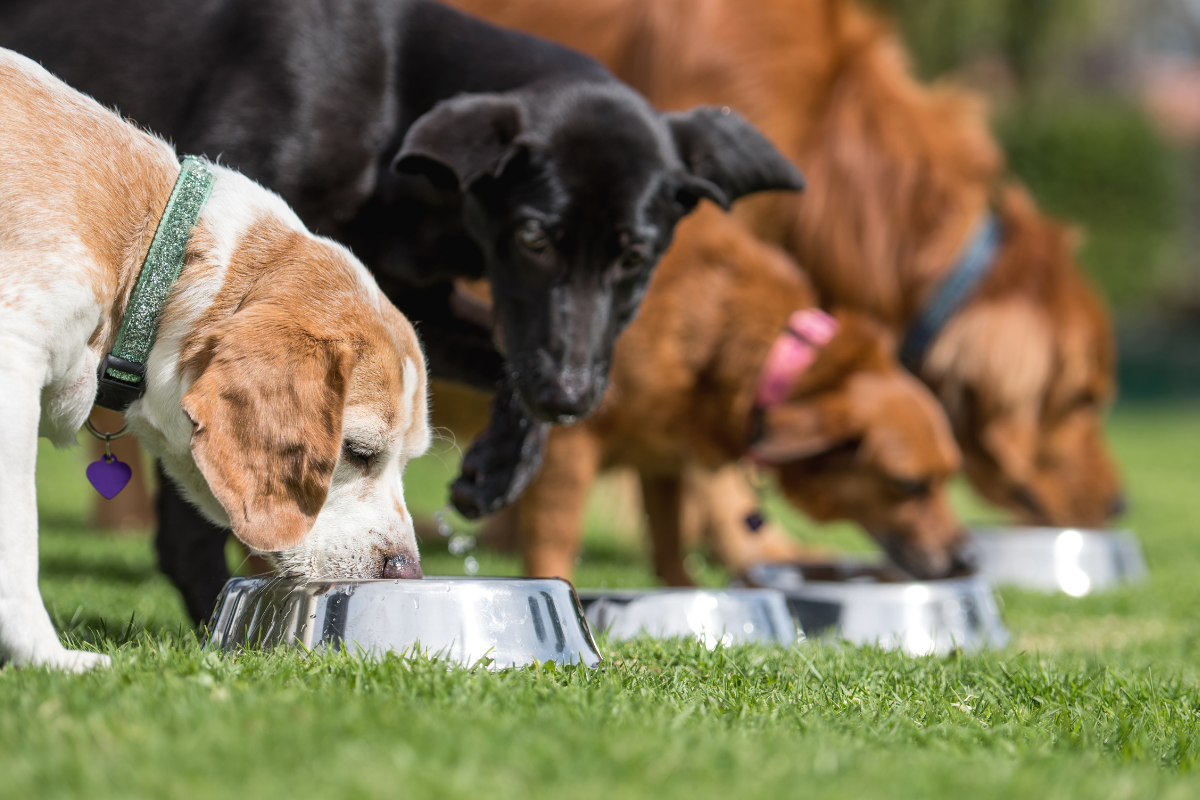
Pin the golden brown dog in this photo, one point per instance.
(900, 175)
(856, 437)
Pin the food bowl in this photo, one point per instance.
(512, 621)
(1072, 560)
(714, 616)
(864, 602)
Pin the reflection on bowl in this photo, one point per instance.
(713, 616)
(511, 621)
(1076, 561)
(875, 604)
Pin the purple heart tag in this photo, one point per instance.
(109, 475)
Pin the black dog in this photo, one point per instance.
(438, 147)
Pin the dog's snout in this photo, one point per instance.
(558, 388)
(402, 567)
(964, 558)
(928, 562)
(562, 404)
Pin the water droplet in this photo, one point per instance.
(461, 544)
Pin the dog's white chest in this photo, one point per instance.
(45, 331)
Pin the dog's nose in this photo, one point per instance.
(402, 567)
(1117, 506)
(964, 558)
(558, 404)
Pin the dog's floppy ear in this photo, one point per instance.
(798, 430)
(266, 410)
(727, 157)
(461, 140)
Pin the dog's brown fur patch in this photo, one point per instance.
(288, 344)
(121, 181)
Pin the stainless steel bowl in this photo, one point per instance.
(1072, 560)
(512, 621)
(714, 616)
(869, 603)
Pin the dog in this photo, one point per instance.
(903, 176)
(719, 509)
(437, 147)
(283, 394)
(711, 372)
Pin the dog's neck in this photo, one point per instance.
(917, 199)
(147, 202)
(756, 312)
(431, 67)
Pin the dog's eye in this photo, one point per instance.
(913, 487)
(1024, 497)
(359, 455)
(687, 200)
(533, 237)
(635, 257)
(1080, 401)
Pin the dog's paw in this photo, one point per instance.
(502, 462)
(492, 479)
(71, 661)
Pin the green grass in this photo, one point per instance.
(1096, 698)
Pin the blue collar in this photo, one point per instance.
(954, 291)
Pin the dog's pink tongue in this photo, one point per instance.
(109, 475)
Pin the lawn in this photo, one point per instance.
(1098, 697)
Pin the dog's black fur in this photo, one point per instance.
(438, 147)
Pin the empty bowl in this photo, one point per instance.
(1077, 561)
(713, 616)
(870, 603)
(512, 621)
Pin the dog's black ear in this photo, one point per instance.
(461, 140)
(727, 156)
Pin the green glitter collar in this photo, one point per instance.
(122, 376)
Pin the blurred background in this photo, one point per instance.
(1097, 103)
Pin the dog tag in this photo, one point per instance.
(109, 475)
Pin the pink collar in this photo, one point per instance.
(807, 331)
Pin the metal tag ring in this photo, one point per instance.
(105, 437)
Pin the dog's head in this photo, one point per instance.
(859, 438)
(307, 399)
(1030, 415)
(572, 191)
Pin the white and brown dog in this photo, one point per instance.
(284, 394)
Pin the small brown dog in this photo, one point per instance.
(899, 177)
(851, 435)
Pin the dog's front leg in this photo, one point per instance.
(27, 637)
(550, 515)
(191, 550)
(662, 496)
(502, 461)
